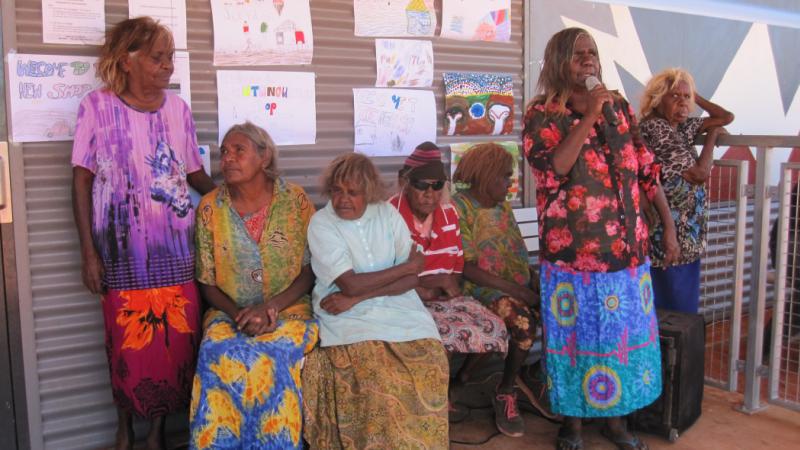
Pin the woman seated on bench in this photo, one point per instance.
(496, 266)
(465, 325)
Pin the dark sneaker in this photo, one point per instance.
(506, 414)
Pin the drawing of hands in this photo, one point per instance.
(498, 114)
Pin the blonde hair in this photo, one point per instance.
(554, 79)
(354, 168)
(482, 164)
(262, 141)
(122, 39)
(660, 85)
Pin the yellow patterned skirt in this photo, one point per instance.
(377, 395)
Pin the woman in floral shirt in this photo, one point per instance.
(670, 133)
(601, 337)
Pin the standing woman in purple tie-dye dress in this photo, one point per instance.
(134, 157)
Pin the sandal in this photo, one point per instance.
(567, 442)
(622, 443)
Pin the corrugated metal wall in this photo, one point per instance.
(74, 398)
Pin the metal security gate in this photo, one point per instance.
(784, 348)
(722, 271)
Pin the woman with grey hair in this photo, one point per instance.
(134, 157)
(379, 377)
(253, 268)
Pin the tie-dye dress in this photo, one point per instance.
(143, 230)
(247, 390)
(602, 352)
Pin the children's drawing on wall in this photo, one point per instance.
(45, 92)
(392, 122)
(458, 150)
(404, 63)
(283, 103)
(477, 20)
(478, 103)
(262, 32)
(394, 18)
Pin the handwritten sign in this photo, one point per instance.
(392, 122)
(46, 91)
(283, 103)
(404, 63)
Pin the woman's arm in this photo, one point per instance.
(92, 269)
(339, 302)
(447, 284)
(701, 170)
(219, 300)
(567, 152)
(671, 249)
(367, 283)
(267, 312)
(718, 116)
(483, 278)
(201, 182)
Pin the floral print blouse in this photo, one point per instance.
(590, 219)
(491, 240)
(675, 152)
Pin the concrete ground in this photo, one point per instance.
(720, 426)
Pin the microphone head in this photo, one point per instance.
(591, 82)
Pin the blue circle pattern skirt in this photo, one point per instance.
(602, 353)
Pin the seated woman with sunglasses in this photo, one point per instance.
(465, 325)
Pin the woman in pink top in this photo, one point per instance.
(134, 156)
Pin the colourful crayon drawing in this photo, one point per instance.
(273, 32)
(478, 103)
(477, 20)
(394, 17)
(458, 150)
(392, 122)
(403, 63)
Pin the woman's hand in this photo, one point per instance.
(337, 303)
(416, 260)
(452, 288)
(92, 271)
(597, 97)
(257, 320)
(672, 250)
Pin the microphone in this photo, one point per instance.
(608, 111)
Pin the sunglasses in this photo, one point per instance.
(424, 185)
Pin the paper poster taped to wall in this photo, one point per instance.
(261, 33)
(171, 13)
(478, 103)
(477, 20)
(458, 150)
(73, 22)
(180, 81)
(45, 92)
(392, 122)
(283, 103)
(394, 18)
(404, 63)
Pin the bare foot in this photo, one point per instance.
(124, 437)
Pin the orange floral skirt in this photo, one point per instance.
(152, 337)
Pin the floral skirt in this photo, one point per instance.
(247, 390)
(376, 394)
(602, 354)
(466, 326)
(151, 343)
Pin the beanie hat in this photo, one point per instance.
(425, 163)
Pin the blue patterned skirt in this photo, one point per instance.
(247, 390)
(601, 338)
